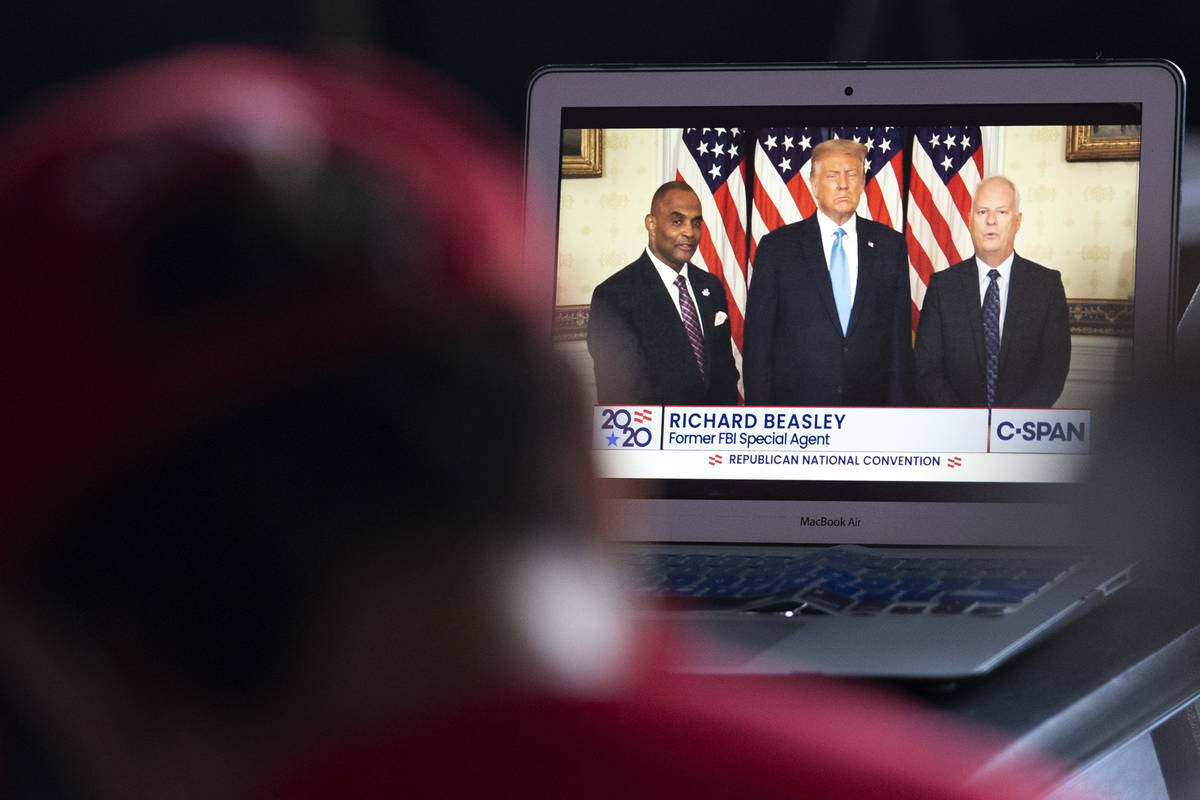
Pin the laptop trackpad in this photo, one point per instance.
(737, 640)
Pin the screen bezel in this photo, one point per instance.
(1034, 93)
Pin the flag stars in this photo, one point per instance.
(947, 164)
(805, 142)
(719, 150)
(935, 141)
(788, 143)
(735, 131)
(715, 172)
(785, 165)
(771, 143)
(703, 148)
(884, 146)
(733, 151)
(966, 142)
(870, 145)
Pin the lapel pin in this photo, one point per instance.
(705, 293)
(870, 243)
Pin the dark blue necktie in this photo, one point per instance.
(991, 333)
(839, 275)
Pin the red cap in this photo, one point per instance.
(90, 382)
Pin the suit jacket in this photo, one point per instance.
(640, 351)
(1035, 345)
(794, 351)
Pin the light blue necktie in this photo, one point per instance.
(839, 274)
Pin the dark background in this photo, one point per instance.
(493, 48)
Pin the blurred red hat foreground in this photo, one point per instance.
(402, 203)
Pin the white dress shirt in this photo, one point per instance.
(668, 276)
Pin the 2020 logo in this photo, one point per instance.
(620, 424)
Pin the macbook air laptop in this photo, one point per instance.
(883, 540)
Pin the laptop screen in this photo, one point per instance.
(734, 409)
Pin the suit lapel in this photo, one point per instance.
(813, 255)
(704, 303)
(1019, 299)
(659, 312)
(867, 280)
(972, 305)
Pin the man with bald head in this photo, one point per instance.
(828, 315)
(994, 330)
(658, 331)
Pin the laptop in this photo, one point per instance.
(881, 540)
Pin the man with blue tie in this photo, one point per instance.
(994, 329)
(828, 314)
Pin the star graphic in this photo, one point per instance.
(785, 165)
(805, 142)
(950, 142)
(703, 148)
(966, 141)
(870, 145)
(947, 164)
(857, 140)
(885, 145)
(719, 150)
(612, 440)
(787, 143)
(733, 151)
(935, 141)
(735, 131)
(715, 172)
(704, 131)
(720, 131)
(770, 142)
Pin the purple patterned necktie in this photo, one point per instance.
(991, 333)
(691, 321)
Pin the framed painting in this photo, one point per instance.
(1104, 142)
(582, 153)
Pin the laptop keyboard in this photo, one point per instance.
(848, 579)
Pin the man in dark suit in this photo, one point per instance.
(1020, 335)
(658, 331)
(828, 319)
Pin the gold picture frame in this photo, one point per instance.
(1104, 142)
(582, 153)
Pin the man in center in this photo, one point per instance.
(828, 315)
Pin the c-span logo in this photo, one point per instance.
(714, 460)
(954, 461)
(1064, 431)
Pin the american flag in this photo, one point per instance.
(882, 198)
(712, 161)
(781, 191)
(947, 165)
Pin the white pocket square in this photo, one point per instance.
(720, 318)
